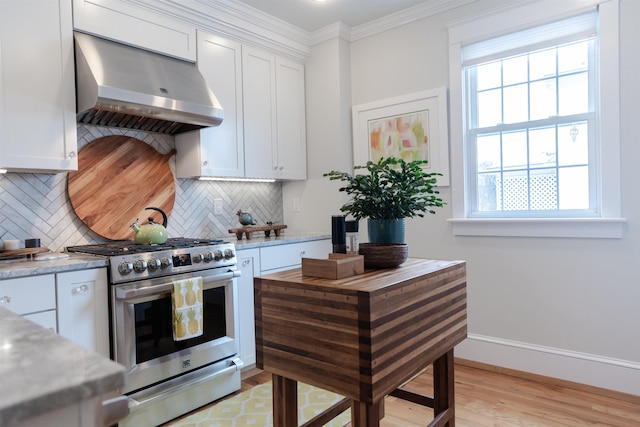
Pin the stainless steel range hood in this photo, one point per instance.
(123, 86)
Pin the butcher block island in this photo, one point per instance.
(362, 336)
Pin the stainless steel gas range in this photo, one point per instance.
(167, 378)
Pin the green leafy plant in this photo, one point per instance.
(392, 189)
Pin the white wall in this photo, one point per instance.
(328, 96)
(567, 308)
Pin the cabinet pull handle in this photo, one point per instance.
(71, 154)
(246, 262)
(302, 253)
(81, 288)
(205, 163)
(5, 299)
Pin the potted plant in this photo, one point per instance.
(390, 191)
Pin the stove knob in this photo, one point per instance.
(208, 257)
(217, 255)
(125, 268)
(165, 263)
(228, 254)
(140, 265)
(153, 264)
(198, 258)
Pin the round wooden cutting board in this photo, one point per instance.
(117, 178)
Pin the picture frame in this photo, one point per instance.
(412, 126)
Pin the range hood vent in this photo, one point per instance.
(126, 87)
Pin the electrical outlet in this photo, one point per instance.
(217, 206)
(296, 204)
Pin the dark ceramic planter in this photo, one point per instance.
(386, 230)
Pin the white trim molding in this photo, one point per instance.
(598, 371)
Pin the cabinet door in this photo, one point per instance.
(126, 23)
(258, 76)
(83, 308)
(37, 86)
(219, 150)
(248, 263)
(292, 145)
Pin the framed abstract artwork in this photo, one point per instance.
(410, 127)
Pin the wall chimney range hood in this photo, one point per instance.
(127, 87)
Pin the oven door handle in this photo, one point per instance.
(125, 294)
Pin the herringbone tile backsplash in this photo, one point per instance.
(37, 205)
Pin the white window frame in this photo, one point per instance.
(609, 224)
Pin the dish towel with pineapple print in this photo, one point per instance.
(187, 308)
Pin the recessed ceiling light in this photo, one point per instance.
(319, 1)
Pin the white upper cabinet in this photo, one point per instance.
(219, 150)
(263, 132)
(274, 116)
(260, 137)
(275, 139)
(37, 86)
(137, 26)
(292, 139)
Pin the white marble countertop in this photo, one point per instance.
(24, 266)
(40, 371)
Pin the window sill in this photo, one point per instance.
(599, 228)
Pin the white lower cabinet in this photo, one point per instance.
(270, 259)
(249, 264)
(284, 257)
(33, 297)
(83, 315)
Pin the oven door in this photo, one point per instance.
(142, 327)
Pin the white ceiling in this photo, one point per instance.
(311, 16)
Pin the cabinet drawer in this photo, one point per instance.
(290, 256)
(46, 319)
(26, 295)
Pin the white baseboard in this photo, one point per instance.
(608, 373)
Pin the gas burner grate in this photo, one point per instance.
(124, 247)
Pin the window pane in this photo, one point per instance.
(573, 57)
(574, 188)
(573, 144)
(515, 191)
(544, 189)
(488, 76)
(542, 147)
(488, 192)
(488, 152)
(542, 64)
(489, 108)
(514, 150)
(573, 94)
(516, 104)
(543, 99)
(514, 70)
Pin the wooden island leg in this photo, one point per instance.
(285, 402)
(443, 391)
(365, 415)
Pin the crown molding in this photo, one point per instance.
(238, 21)
(337, 30)
(406, 16)
(244, 23)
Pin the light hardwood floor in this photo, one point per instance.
(488, 396)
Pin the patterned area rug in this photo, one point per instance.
(252, 408)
